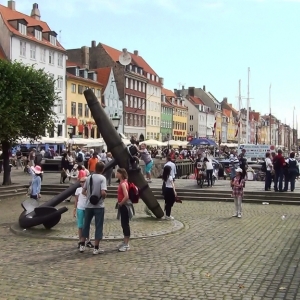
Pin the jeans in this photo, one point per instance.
(292, 177)
(169, 197)
(238, 204)
(268, 180)
(98, 213)
(278, 180)
(286, 181)
(125, 220)
(209, 174)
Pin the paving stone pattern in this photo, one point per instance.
(213, 257)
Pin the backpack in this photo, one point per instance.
(133, 192)
(264, 167)
(80, 157)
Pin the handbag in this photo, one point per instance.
(178, 200)
(93, 198)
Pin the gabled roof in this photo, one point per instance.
(253, 115)
(103, 75)
(226, 112)
(9, 14)
(196, 100)
(167, 103)
(168, 93)
(136, 59)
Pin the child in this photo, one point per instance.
(79, 210)
(237, 184)
(169, 192)
(73, 179)
(35, 188)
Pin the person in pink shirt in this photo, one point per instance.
(81, 173)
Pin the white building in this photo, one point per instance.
(30, 40)
(112, 102)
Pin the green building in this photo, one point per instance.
(166, 126)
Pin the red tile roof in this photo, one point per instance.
(196, 100)
(9, 14)
(168, 93)
(103, 75)
(72, 64)
(226, 112)
(253, 115)
(167, 104)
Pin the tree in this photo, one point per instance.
(27, 97)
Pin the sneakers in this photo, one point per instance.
(235, 215)
(169, 218)
(97, 251)
(239, 215)
(120, 245)
(89, 244)
(124, 248)
(81, 248)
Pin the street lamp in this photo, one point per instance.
(70, 141)
(116, 121)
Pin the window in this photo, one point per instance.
(73, 109)
(79, 109)
(126, 82)
(131, 102)
(134, 120)
(148, 120)
(43, 55)
(22, 29)
(22, 49)
(143, 87)
(143, 104)
(138, 121)
(134, 102)
(126, 119)
(60, 82)
(191, 128)
(73, 88)
(80, 89)
(126, 100)
(32, 52)
(131, 84)
(151, 121)
(86, 111)
(51, 57)
(139, 103)
(60, 60)
(38, 34)
(98, 93)
(135, 85)
(93, 90)
(52, 40)
(148, 76)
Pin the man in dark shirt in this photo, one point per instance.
(278, 164)
(243, 162)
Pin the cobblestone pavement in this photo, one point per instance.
(213, 257)
(53, 178)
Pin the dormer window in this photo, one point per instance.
(22, 28)
(52, 39)
(77, 72)
(38, 34)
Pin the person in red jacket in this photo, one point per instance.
(278, 165)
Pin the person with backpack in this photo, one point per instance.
(80, 157)
(292, 172)
(169, 192)
(125, 208)
(267, 167)
(95, 190)
(278, 165)
(238, 192)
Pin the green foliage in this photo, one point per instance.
(27, 96)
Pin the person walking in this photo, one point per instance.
(95, 190)
(238, 192)
(92, 163)
(209, 171)
(278, 165)
(64, 168)
(269, 168)
(108, 173)
(125, 208)
(169, 192)
(293, 172)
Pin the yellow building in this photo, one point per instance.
(218, 129)
(180, 114)
(231, 126)
(79, 118)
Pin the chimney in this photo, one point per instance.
(204, 88)
(85, 56)
(161, 80)
(93, 44)
(136, 52)
(11, 5)
(191, 91)
(35, 13)
(225, 99)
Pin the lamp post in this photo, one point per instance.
(70, 141)
(116, 121)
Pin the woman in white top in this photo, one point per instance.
(209, 171)
(169, 192)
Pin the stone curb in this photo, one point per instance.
(16, 229)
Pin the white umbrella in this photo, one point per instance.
(174, 143)
(95, 143)
(152, 143)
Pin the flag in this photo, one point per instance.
(238, 125)
(215, 124)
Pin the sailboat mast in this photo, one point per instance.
(239, 124)
(248, 108)
(270, 119)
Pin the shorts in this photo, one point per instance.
(148, 167)
(80, 217)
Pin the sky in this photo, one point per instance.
(196, 43)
